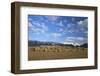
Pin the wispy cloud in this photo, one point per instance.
(60, 30)
(75, 40)
(30, 24)
(56, 35)
(71, 26)
(83, 23)
(37, 27)
(60, 24)
(52, 18)
(71, 30)
(30, 19)
(65, 20)
(73, 19)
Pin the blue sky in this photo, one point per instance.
(63, 29)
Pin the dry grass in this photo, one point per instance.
(56, 52)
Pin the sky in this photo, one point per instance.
(62, 29)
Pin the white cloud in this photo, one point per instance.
(60, 24)
(83, 23)
(75, 40)
(69, 42)
(56, 35)
(30, 24)
(37, 24)
(52, 18)
(86, 32)
(70, 28)
(37, 27)
(36, 30)
(73, 19)
(30, 19)
(60, 30)
(44, 28)
(84, 26)
(65, 20)
(70, 25)
(80, 22)
(33, 28)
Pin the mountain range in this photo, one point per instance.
(38, 43)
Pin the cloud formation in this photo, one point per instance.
(75, 40)
(60, 24)
(64, 29)
(37, 27)
(52, 18)
(56, 35)
(83, 23)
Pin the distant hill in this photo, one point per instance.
(35, 43)
(38, 43)
(84, 45)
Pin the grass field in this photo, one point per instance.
(56, 52)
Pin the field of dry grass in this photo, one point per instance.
(56, 52)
